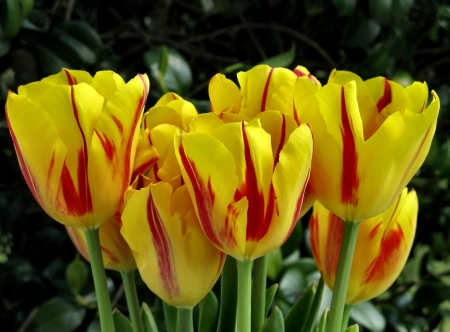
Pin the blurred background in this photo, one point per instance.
(181, 44)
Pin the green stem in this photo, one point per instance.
(244, 307)
(334, 321)
(184, 321)
(345, 318)
(228, 296)
(98, 273)
(259, 293)
(129, 284)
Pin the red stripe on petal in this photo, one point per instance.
(70, 81)
(350, 180)
(314, 239)
(374, 231)
(386, 99)
(282, 139)
(256, 222)
(109, 254)
(137, 115)
(204, 199)
(299, 73)
(142, 169)
(108, 146)
(23, 165)
(333, 245)
(118, 123)
(297, 120)
(163, 249)
(266, 89)
(388, 256)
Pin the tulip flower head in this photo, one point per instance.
(382, 246)
(75, 138)
(370, 138)
(247, 180)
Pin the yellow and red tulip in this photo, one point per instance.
(262, 89)
(75, 138)
(174, 257)
(382, 246)
(370, 137)
(248, 193)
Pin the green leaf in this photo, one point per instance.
(323, 321)
(121, 323)
(228, 296)
(400, 10)
(296, 319)
(178, 77)
(361, 31)
(209, 313)
(163, 61)
(345, 7)
(77, 274)
(274, 323)
(10, 17)
(282, 59)
(94, 326)
(310, 321)
(147, 319)
(353, 328)
(170, 317)
(367, 315)
(380, 10)
(297, 278)
(235, 68)
(27, 7)
(274, 264)
(270, 294)
(58, 315)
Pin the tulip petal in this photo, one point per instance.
(69, 77)
(106, 83)
(224, 95)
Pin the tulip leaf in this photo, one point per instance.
(274, 264)
(274, 323)
(294, 240)
(309, 324)
(121, 323)
(361, 31)
(170, 317)
(381, 10)
(147, 319)
(58, 315)
(281, 60)
(297, 277)
(228, 296)
(296, 318)
(163, 61)
(209, 313)
(94, 326)
(10, 17)
(270, 294)
(345, 7)
(323, 321)
(353, 328)
(239, 66)
(178, 77)
(77, 274)
(27, 7)
(367, 315)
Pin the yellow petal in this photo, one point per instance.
(69, 77)
(224, 95)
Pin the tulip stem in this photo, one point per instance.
(334, 321)
(259, 293)
(98, 273)
(185, 322)
(228, 296)
(244, 306)
(129, 284)
(347, 310)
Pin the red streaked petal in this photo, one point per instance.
(350, 179)
(163, 248)
(266, 90)
(386, 99)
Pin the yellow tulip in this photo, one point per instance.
(382, 246)
(116, 253)
(75, 138)
(246, 180)
(370, 138)
(174, 258)
(263, 89)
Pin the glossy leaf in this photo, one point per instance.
(367, 315)
(315, 306)
(296, 319)
(77, 274)
(323, 321)
(274, 264)
(345, 7)
(170, 317)
(228, 296)
(381, 10)
(121, 323)
(274, 323)
(147, 319)
(58, 315)
(353, 328)
(270, 295)
(209, 313)
(284, 59)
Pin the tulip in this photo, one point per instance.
(75, 138)
(382, 246)
(262, 89)
(174, 258)
(370, 139)
(248, 193)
